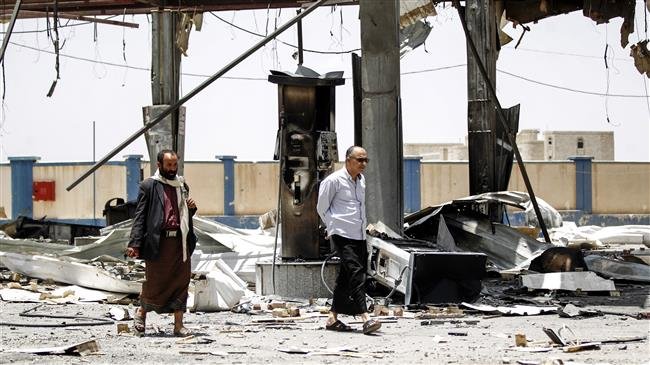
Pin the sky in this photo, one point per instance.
(557, 74)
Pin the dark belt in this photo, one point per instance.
(172, 233)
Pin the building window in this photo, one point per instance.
(581, 143)
(550, 141)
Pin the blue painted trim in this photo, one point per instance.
(79, 163)
(228, 184)
(132, 163)
(583, 182)
(22, 180)
(411, 185)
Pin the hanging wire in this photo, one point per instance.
(126, 69)
(608, 80)
(280, 41)
(405, 73)
(55, 20)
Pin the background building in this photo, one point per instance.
(552, 146)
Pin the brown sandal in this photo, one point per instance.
(183, 332)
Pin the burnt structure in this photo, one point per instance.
(307, 150)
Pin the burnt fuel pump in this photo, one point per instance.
(306, 148)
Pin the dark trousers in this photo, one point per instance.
(349, 294)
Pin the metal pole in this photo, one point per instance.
(299, 39)
(196, 90)
(502, 119)
(10, 29)
(94, 185)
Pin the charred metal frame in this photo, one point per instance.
(502, 119)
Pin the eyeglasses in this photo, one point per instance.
(361, 159)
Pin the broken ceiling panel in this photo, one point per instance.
(641, 56)
(601, 11)
(412, 11)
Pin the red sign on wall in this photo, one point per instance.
(43, 190)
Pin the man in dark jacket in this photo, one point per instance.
(162, 235)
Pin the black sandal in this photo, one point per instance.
(339, 327)
(371, 326)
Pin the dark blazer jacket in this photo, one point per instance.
(147, 223)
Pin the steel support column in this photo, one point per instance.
(481, 113)
(380, 111)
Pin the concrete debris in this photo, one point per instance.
(520, 340)
(571, 281)
(123, 328)
(571, 311)
(119, 313)
(60, 295)
(82, 348)
(521, 310)
(618, 270)
(334, 351)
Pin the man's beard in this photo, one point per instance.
(168, 174)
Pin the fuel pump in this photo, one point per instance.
(306, 148)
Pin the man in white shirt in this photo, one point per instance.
(342, 207)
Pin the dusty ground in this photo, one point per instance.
(238, 340)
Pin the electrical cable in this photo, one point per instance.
(277, 211)
(322, 271)
(397, 282)
(281, 41)
(244, 78)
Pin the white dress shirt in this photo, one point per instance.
(342, 205)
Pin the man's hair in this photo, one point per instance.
(349, 151)
(161, 155)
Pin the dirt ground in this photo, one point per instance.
(476, 338)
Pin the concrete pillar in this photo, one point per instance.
(583, 182)
(380, 111)
(22, 180)
(228, 184)
(412, 183)
(133, 176)
(165, 86)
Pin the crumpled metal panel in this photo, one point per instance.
(413, 36)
